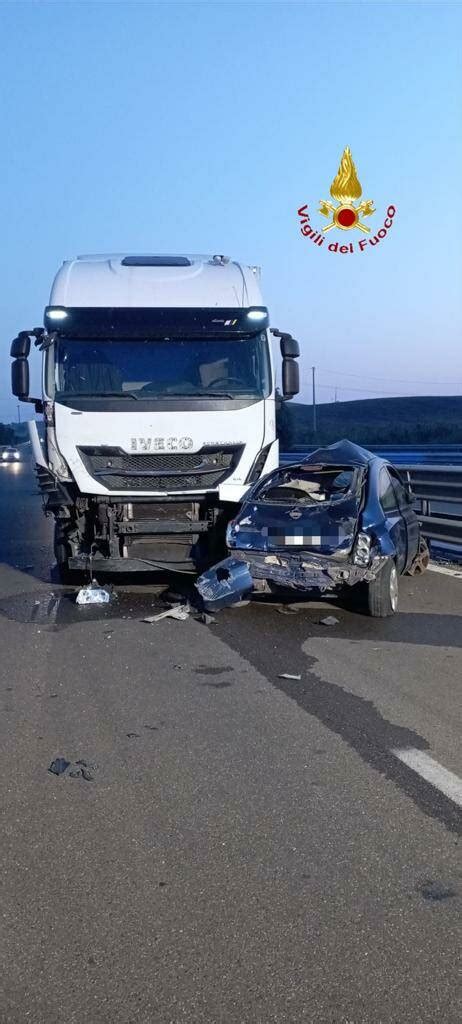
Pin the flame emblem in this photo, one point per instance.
(345, 189)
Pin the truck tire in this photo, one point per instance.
(61, 552)
(381, 594)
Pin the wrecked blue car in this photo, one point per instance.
(340, 520)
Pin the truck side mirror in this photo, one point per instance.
(290, 377)
(20, 347)
(290, 349)
(20, 379)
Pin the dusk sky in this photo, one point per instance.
(203, 127)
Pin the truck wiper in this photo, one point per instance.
(196, 394)
(97, 394)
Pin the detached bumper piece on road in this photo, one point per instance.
(226, 584)
(341, 520)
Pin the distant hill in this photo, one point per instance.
(410, 420)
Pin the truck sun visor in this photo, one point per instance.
(156, 261)
(146, 322)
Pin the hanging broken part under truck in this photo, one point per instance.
(340, 520)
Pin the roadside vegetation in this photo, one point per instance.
(413, 420)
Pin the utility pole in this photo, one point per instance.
(313, 370)
(19, 413)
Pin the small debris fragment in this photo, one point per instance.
(330, 620)
(133, 735)
(287, 675)
(179, 611)
(437, 891)
(82, 773)
(80, 769)
(207, 619)
(94, 594)
(59, 766)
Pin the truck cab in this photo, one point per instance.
(159, 401)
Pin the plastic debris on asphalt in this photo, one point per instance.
(94, 594)
(330, 620)
(207, 619)
(287, 675)
(59, 766)
(179, 611)
(83, 770)
(79, 769)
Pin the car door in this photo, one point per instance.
(395, 522)
(405, 504)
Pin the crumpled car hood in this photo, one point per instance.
(321, 530)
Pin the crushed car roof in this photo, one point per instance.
(342, 453)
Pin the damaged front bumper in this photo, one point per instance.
(236, 576)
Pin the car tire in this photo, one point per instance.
(381, 594)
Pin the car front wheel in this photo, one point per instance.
(382, 593)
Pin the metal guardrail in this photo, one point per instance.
(433, 487)
(437, 491)
(406, 454)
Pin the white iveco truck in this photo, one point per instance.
(159, 405)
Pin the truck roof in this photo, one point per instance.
(155, 280)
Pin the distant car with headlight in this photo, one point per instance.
(340, 520)
(8, 453)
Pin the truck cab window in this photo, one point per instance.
(149, 368)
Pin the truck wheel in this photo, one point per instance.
(381, 594)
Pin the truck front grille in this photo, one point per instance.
(183, 471)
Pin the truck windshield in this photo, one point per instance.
(149, 369)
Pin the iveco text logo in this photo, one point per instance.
(161, 444)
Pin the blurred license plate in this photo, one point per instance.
(302, 538)
(296, 539)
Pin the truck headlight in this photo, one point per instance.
(362, 555)
(258, 465)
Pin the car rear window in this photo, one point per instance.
(310, 485)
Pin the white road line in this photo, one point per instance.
(432, 772)
(457, 573)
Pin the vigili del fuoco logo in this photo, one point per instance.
(345, 214)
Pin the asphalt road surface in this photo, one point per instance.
(249, 849)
